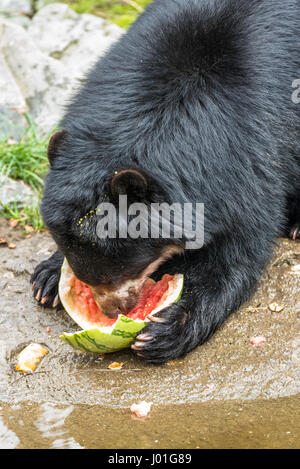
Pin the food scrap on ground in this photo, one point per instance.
(30, 357)
(257, 340)
(12, 246)
(174, 362)
(115, 366)
(142, 409)
(276, 308)
(13, 223)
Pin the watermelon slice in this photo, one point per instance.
(101, 334)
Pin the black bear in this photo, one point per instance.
(193, 104)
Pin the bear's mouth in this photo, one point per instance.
(113, 301)
(123, 299)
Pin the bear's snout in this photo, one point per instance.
(115, 301)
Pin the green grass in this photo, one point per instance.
(121, 12)
(25, 216)
(25, 160)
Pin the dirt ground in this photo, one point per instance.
(227, 393)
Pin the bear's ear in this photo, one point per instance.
(130, 182)
(54, 143)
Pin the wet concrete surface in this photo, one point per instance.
(227, 393)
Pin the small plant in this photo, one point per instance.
(25, 160)
(27, 216)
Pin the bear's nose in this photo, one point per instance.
(112, 302)
(112, 307)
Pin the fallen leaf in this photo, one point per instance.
(171, 362)
(276, 308)
(13, 223)
(115, 366)
(257, 340)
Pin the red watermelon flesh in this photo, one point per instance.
(152, 295)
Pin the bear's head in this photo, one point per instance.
(100, 217)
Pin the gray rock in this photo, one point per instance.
(40, 66)
(12, 124)
(18, 18)
(52, 28)
(73, 42)
(17, 6)
(10, 95)
(81, 55)
(39, 4)
(15, 192)
(43, 81)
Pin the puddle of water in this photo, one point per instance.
(8, 439)
(273, 423)
(51, 425)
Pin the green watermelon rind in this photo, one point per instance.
(97, 341)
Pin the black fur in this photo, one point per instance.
(198, 97)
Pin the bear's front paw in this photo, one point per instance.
(45, 281)
(171, 333)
